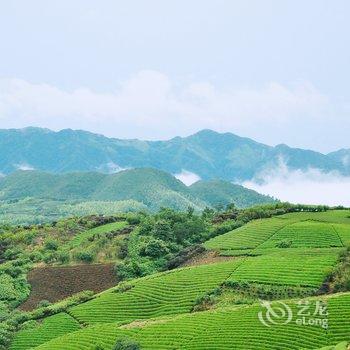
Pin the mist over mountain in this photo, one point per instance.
(207, 154)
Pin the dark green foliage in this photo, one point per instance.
(267, 291)
(63, 257)
(160, 239)
(154, 248)
(284, 244)
(126, 344)
(51, 245)
(43, 303)
(204, 302)
(85, 256)
(98, 347)
(339, 279)
(184, 255)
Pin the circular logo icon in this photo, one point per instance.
(277, 313)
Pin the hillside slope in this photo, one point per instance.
(207, 153)
(201, 307)
(220, 192)
(150, 187)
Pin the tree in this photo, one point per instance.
(154, 248)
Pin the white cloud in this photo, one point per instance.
(308, 187)
(24, 166)
(150, 105)
(346, 160)
(111, 168)
(187, 177)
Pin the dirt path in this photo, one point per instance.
(56, 283)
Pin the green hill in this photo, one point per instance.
(220, 192)
(44, 195)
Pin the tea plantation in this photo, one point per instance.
(235, 328)
(215, 305)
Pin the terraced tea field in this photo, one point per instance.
(167, 294)
(305, 234)
(114, 226)
(293, 251)
(312, 230)
(296, 267)
(249, 236)
(51, 327)
(226, 329)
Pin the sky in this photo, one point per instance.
(275, 71)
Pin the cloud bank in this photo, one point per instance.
(307, 187)
(153, 106)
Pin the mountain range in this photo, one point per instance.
(208, 154)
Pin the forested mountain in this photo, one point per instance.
(150, 187)
(208, 154)
(220, 193)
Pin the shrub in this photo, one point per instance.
(204, 302)
(31, 324)
(85, 256)
(51, 244)
(14, 271)
(126, 344)
(5, 336)
(98, 347)
(35, 256)
(63, 257)
(50, 257)
(123, 250)
(43, 303)
(286, 243)
(185, 255)
(123, 287)
(11, 254)
(133, 219)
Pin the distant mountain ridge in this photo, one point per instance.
(150, 187)
(208, 154)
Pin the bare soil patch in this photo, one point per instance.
(207, 257)
(56, 283)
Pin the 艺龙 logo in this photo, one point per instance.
(277, 314)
